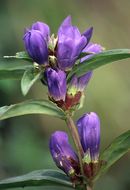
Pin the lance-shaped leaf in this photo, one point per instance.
(37, 178)
(31, 107)
(20, 55)
(99, 60)
(114, 152)
(13, 69)
(29, 78)
(16, 74)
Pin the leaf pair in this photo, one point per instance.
(14, 68)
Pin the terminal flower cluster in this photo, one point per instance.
(58, 55)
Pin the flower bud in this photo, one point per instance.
(43, 28)
(56, 81)
(89, 131)
(36, 46)
(62, 153)
(78, 84)
(70, 44)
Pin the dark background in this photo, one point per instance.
(24, 140)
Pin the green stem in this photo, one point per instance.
(76, 139)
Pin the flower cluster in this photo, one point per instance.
(65, 157)
(57, 55)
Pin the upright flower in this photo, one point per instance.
(89, 132)
(62, 153)
(43, 28)
(36, 42)
(70, 44)
(79, 83)
(56, 81)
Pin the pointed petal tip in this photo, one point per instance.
(67, 21)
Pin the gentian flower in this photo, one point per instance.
(70, 44)
(62, 153)
(56, 81)
(36, 42)
(36, 46)
(92, 48)
(79, 83)
(43, 28)
(89, 131)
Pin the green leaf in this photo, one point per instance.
(13, 64)
(29, 78)
(13, 69)
(20, 55)
(83, 54)
(31, 107)
(115, 151)
(37, 178)
(99, 60)
(16, 74)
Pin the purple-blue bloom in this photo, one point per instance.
(43, 28)
(92, 48)
(79, 83)
(56, 81)
(89, 131)
(62, 152)
(70, 44)
(36, 46)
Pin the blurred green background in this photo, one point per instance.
(24, 140)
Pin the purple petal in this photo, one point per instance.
(79, 83)
(92, 48)
(70, 44)
(62, 152)
(36, 46)
(89, 131)
(56, 80)
(43, 28)
(88, 34)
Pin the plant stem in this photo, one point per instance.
(76, 139)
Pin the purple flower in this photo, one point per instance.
(56, 81)
(62, 152)
(89, 132)
(79, 83)
(36, 46)
(92, 48)
(70, 44)
(43, 28)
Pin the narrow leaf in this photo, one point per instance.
(31, 107)
(99, 60)
(12, 69)
(16, 74)
(20, 55)
(37, 178)
(83, 54)
(13, 64)
(115, 151)
(29, 78)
